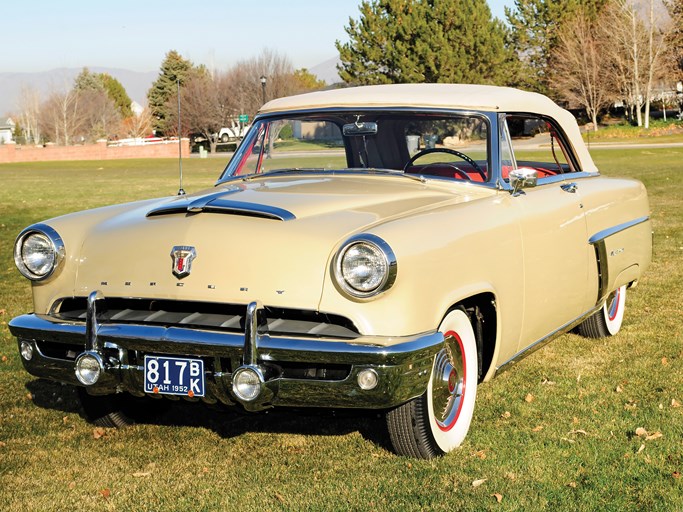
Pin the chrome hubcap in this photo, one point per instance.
(448, 382)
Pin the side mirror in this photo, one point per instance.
(522, 178)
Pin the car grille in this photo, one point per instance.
(212, 316)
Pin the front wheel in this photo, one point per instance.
(607, 320)
(438, 421)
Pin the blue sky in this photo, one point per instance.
(40, 35)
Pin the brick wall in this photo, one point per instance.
(10, 152)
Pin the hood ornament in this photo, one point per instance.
(182, 256)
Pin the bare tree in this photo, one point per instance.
(658, 28)
(29, 105)
(60, 118)
(101, 118)
(580, 59)
(137, 126)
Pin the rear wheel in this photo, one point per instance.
(119, 410)
(607, 320)
(438, 421)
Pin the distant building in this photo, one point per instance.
(6, 130)
(137, 108)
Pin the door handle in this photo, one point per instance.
(569, 187)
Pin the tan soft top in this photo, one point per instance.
(442, 96)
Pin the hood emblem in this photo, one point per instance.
(182, 256)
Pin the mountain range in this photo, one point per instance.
(136, 83)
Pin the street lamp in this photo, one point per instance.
(263, 87)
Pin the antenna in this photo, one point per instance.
(181, 192)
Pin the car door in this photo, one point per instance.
(553, 231)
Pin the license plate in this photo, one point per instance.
(174, 376)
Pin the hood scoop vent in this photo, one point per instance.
(217, 203)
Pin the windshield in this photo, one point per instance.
(446, 146)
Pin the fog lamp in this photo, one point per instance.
(89, 368)
(368, 379)
(26, 350)
(247, 383)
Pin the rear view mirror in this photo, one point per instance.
(359, 129)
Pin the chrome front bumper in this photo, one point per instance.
(403, 365)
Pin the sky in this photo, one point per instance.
(42, 35)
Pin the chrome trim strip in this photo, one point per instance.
(598, 241)
(601, 235)
(545, 340)
(216, 203)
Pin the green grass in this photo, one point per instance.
(670, 131)
(573, 447)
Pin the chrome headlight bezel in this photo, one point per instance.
(382, 250)
(56, 250)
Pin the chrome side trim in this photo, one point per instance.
(601, 235)
(598, 241)
(544, 341)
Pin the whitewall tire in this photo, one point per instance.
(607, 320)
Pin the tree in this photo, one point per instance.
(400, 41)
(307, 81)
(117, 93)
(29, 116)
(137, 126)
(206, 106)
(535, 28)
(675, 39)
(174, 69)
(580, 59)
(60, 117)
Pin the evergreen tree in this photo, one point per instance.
(117, 93)
(402, 41)
(174, 68)
(87, 81)
(535, 28)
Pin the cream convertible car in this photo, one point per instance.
(385, 247)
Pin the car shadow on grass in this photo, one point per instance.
(230, 422)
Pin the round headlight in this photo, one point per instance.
(365, 266)
(38, 251)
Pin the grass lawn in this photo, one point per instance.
(559, 431)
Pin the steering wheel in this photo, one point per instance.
(452, 152)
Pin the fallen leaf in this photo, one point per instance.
(676, 474)
(641, 432)
(675, 403)
(72, 485)
(583, 432)
(3, 444)
(141, 474)
(537, 429)
(106, 493)
(410, 465)
(642, 447)
(65, 420)
(481, 454)
(29, 396)
(547, 382)
(477, 483)
(499, 497)
(575, 420)
(98, 432)
(279, 497)
(654, 436)
(529, 398)
(619, 389)
(665, 362)
(510, 476)
(3, 311)
(4, 359)
(573, 485)
(205, 470)
(505, 415)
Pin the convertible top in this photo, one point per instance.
(440, 96)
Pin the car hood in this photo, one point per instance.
(270, 238)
